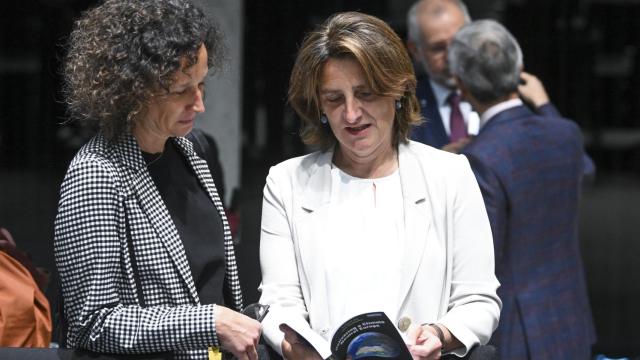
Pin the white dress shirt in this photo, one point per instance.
(498, 108)
(441, 93)
(368, 243)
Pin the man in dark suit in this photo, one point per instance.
(431, 26)
(529, 169)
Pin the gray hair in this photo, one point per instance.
(487, 59)
(413, 27)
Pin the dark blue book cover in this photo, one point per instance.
(368, 336)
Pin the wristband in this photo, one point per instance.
(438, 332)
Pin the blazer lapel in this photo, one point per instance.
(312, 228)
(153, 206)
(417, 212)
(318, 189)
(203, 174)
(417, 217)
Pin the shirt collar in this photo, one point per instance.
(498, 108)
(441, 93)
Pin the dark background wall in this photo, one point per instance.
(584, 51)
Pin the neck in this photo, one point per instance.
(481, 108)
(369, 167)
(148, 140)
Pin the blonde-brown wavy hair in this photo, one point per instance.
(385, 63)
(120, 54)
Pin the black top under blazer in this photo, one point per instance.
(112, 220)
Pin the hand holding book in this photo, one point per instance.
(295, 346)
(363, 336)
(424, 342)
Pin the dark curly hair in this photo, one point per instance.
(123, 52)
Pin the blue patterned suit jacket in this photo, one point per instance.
(529, 169)
(432, 131)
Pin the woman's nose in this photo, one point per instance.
(198, 101)
(353, 110)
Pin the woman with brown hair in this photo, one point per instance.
(372, 221)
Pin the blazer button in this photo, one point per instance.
(403, 323)
(324, 331)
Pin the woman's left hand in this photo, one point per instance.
(296, 348)
(423, 343)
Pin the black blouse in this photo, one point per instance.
(195, 217)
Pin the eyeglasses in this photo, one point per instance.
(256, 311)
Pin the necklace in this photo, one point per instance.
(149, 163)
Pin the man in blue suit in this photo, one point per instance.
(529, 169)
(431, 26)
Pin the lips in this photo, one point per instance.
(355, 130)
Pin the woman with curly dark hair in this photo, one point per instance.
(142, 244)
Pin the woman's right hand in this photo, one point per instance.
(237, 333)
(293, 347)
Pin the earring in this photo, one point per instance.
(398, 105)
(323, 119)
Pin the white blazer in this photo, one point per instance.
(448, 275)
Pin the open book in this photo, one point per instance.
(365, 336)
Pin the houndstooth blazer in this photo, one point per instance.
(112, 224)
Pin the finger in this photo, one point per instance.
(241, 355)
(428, 350)
(412, 333)
(256, 336)
(289, 334)
(253, 353)
(431, 344)
(286, 348)
(285, 328)
(7, 236)
(425, 334)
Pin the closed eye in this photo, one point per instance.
(333, 99)
(188, 89)
(365, 95)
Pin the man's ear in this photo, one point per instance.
(463, 89)
(468, 97)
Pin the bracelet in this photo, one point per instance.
(438, 332)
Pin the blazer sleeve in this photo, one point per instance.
(548, 110)
(281, 287)
(474, 307)
(101, 306)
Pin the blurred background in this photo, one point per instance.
(584, 51)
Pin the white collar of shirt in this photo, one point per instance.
(498, 108)
(441, 93)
